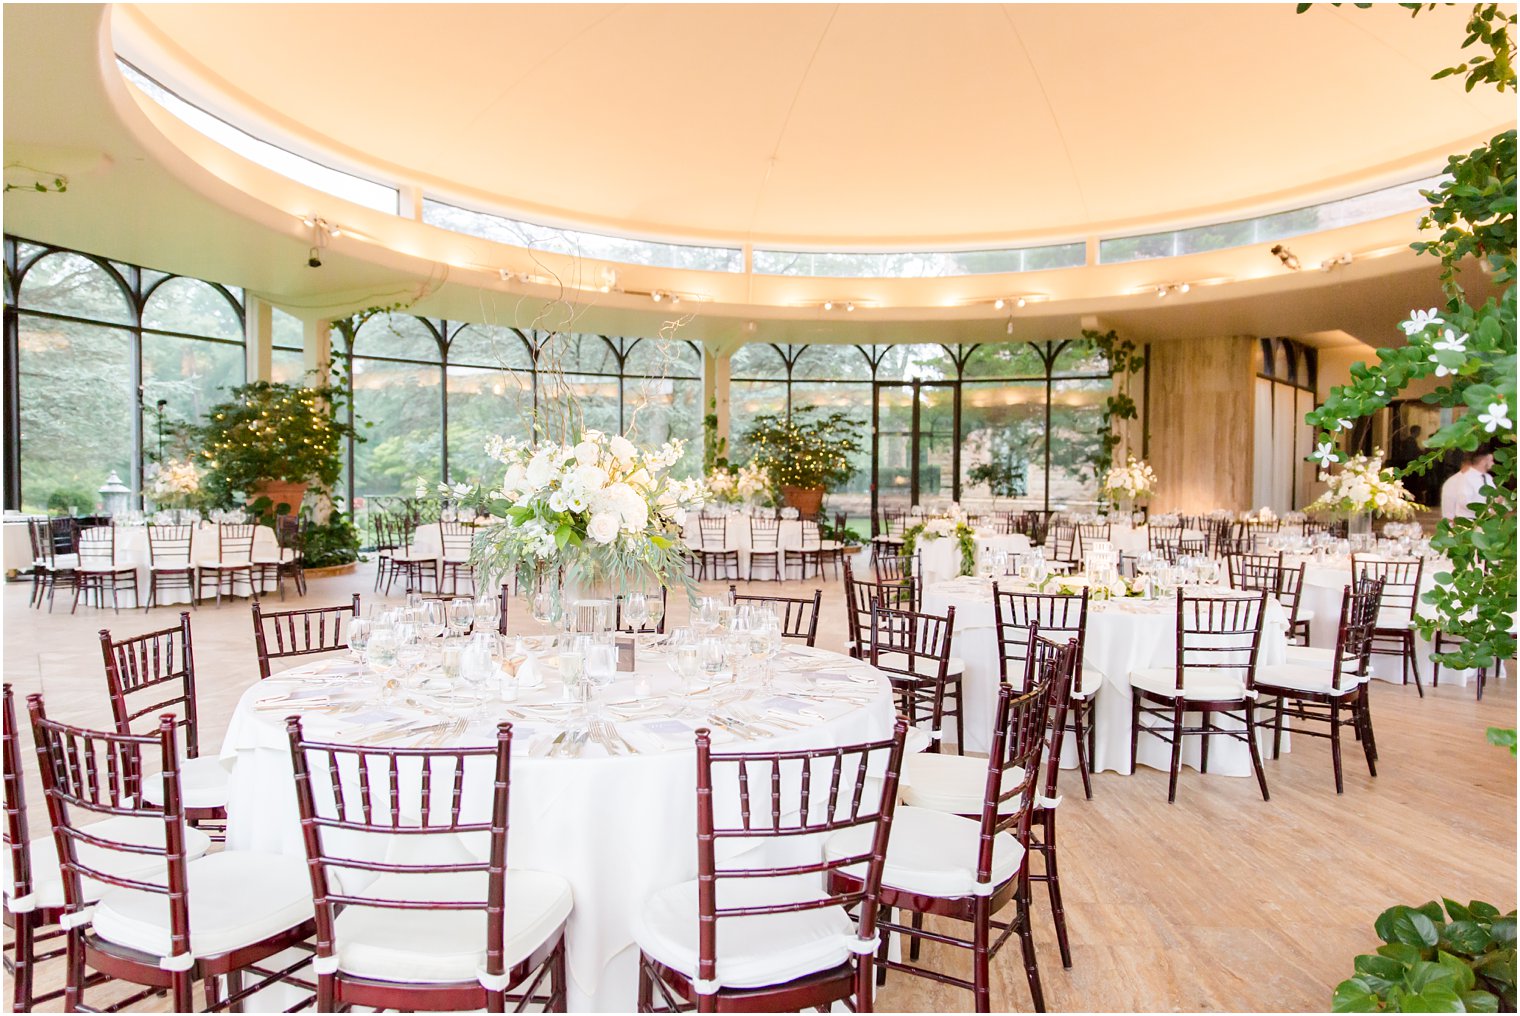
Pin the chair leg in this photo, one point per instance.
(23, 949)
(1053, 884)
(646, 988)
(1435, 664)
(1261, 774)
(1412, 655)
(882, 949)
(914, 942)
(1134, 730)
(1207, 719)
(981, 960)
(74, 983)
(1026, 939)
(325, 1001)
(1084, 765)
(1277, 728)
(1335, 744)
(234, 986)
(559, 981)
(1177, 713)
(1369, 743)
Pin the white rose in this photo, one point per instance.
(622, 449)
(514, 477)
(589, 478)
(603, 527)
(586, 453)
(540, 470)
(640, 478)
(557, 501)
(678, 516)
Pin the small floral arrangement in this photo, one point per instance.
(1261, 516)
(1133, 480)
(598, 511)
(174, 483)
(746, 485)
(1364, 485)
(938, 529)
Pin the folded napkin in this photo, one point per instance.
(295, 699)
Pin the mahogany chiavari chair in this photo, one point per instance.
(811, 552)
(969, 867)
(302, 632)
(764, 545)
(913, 650)
(458, 537)
(504, 599)
(411, 566)
(860, 595)
(798, 614)
(385, 545)
(890, 524)
(435, 928)
(1255, 572)
(1335, 527)
(170, 565)
(50, 564)
(290, 535)
(1218, 638)
(1395, 633)
(99, 570)
(183, 920)
(1016, 616)
(1309, 694)
(891, 565)
(831, 551)
(1064, 548)
(712, 549)
(234, 560)
(1183, 546)
(654, 625)
(1446, 642)
(772, 938)
(152, 674)
(33, 886)
(1089, 533)
(1290, 593)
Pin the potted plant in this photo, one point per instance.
(269, 443)
(804, 455)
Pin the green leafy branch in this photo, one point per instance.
(1124, 361)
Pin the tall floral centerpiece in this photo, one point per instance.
(746, 485)
(174, 483)
(1361, 489)
(1129, 482)
(600, 515)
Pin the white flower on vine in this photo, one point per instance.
(1343, 423)
(1452, 341)
(1324, 453)
(1419, 320)
(1497, 417)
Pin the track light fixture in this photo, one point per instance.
(1168, 288)
(1288, 258)
(1339, 261)
(1005, 302)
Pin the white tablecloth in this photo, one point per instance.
(18, 543)
(788, 537)
(1325, 582)
(1122, 636)
(132, 550)
(940, 558)
(618, 828)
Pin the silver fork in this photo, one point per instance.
(614, 740)
(599, 735)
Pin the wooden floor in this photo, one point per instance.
(1219, 902)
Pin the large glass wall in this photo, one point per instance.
(428, 394)
(108, 359)
(1009, 425)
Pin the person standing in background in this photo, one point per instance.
(1461, 489)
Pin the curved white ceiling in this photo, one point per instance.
(846, 125)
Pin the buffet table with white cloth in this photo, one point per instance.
(1123, 635)
(132, 551)
(939, 558)
(1325, 580)
(737, 537)
(619, 824)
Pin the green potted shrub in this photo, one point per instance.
(269, 443)
(1428, 963)
(805, 455)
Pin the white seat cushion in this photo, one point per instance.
(237, 898)
(203, 783)
(1090, 680)
(1394, 618)
(753, 951)
(171, 566)
(47, 874)
(931, 852)
(1199, 685)
(63, 562)
(924, 666)
(951, 783)
(439, 946)
(1305, 677)
(1312, 656)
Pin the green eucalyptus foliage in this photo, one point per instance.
(1472, 348)
(1462, 960)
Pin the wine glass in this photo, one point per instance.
(410, 652)
(656, 605)
(571, 653)
(544, 611)
(413, 601)
(359, 630)
(380, 650)
(705, 619)
(487, 613)
(735, 648)
(710, 655)
(635, 611)
(431, 619)
(601, 665)
(461, 615)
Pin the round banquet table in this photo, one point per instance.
(1133, 540)
(737, 537)
(1122, 636)
(132, 550)
(1326, 579)
(940, 557)
(617, 826)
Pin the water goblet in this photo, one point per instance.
(461, 615)
(487, 613)
(600, 665)
(710, 655)
(432, 618)
(544, 611)
(359, 631)
(572, 653)
(413, 601)
(656, 606)
(705, 618)
(635, 611)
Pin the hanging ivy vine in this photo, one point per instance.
(1125, 361)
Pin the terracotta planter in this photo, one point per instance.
(280, 492)
(807, 500)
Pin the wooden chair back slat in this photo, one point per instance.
(150, 673)
(292, 632)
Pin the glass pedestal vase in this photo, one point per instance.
(1359, 524)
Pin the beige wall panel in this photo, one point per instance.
(1202, 425)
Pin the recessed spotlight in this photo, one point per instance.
(1022, 301)
(849, 308)
(657, 296)
(828, 305)
(999, 303)
(1184, 287)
